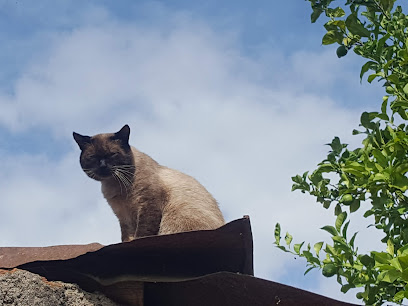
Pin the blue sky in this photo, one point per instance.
(241, 97)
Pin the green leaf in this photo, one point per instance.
(399, 296)
(403, 250)
(390, 247)
(332, 37)
(399, 103)
(380, 177)
(316, 14)
(347, 287)
(402, 211)
(308, 270)
(297, 247)
(336, 145)
(335, 25)
(339, 280)
(277, 233)
(368, 213)
(404, 275)
(384, 104)
(393, 78)
(352, 240)
(367, 66)
(344, 232)
(403, 261)
(380, 47)
(402, 168)
(402, 113)
(396, 264)
(387, 4)
(317, 247)
(325, 168)
(383, 117)
(310, 258)
(355, 26)
(365, 119)
(330, 229)
(371, 77)
(329, 249)
(390, 90)
(341, 243)
(336, 13)
(282, 248)
(389, 276)
(340, 220)
(381, 257)
(288, 238)
(355, 206)
(400, 181)
(337, 210)
(380, 158)
(367, 261)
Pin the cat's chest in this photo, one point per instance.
(112, 191)
(121, 205)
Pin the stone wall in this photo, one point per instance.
(22, 288)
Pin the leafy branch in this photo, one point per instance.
(372, 177)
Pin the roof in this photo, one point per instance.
(213, 267)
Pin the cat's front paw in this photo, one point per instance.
(128, 239)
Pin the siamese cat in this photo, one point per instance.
(148, 199)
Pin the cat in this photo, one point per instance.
(147, 198)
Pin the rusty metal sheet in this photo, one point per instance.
(193, 268)
(156, 258)
(225, 288)
(11, 257)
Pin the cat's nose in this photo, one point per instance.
(102, 163)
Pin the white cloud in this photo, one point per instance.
(44, 201)
(193, 103)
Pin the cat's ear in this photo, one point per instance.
(82, 141)
(123, 135)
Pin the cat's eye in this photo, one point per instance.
(113, 154)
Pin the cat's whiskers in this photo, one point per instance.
(122, 178)
(127, 170)
(119, 181)
(90, 173)
(125, 182)
(127, 166)
(130, 170)
(125, 177)
(129, 174)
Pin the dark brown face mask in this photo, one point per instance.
(106, 155)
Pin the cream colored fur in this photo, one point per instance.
(188, 201)
(188, 205)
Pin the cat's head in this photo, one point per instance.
(106, 156)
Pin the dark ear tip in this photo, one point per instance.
(125, 129)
